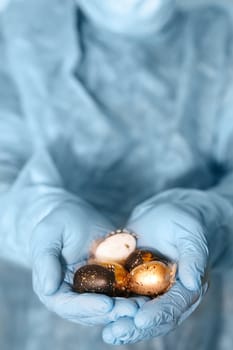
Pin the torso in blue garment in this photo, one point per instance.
(125, 118)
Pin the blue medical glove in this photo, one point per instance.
(185, 225)
(51, 231)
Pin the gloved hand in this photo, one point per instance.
(183, 225)
(52, 230)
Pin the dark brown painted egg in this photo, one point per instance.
(94, 278)
(141, 256)
(106, 278)
(121, 277)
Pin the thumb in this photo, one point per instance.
(193, 258)
(46, 246)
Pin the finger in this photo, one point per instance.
(121, 308)
(71, 305)
(140, 300)
(79, 231)
(168, 308)
(100, 309)
(122, 332)
(151, 227)
(183, 240)
(46, 253)
(156, 317)
(193, 255)
(48, 270)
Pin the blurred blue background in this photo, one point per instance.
(26, 324)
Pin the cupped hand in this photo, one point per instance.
(178, 233)
(59, 245)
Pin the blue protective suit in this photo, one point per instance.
(115, 117)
